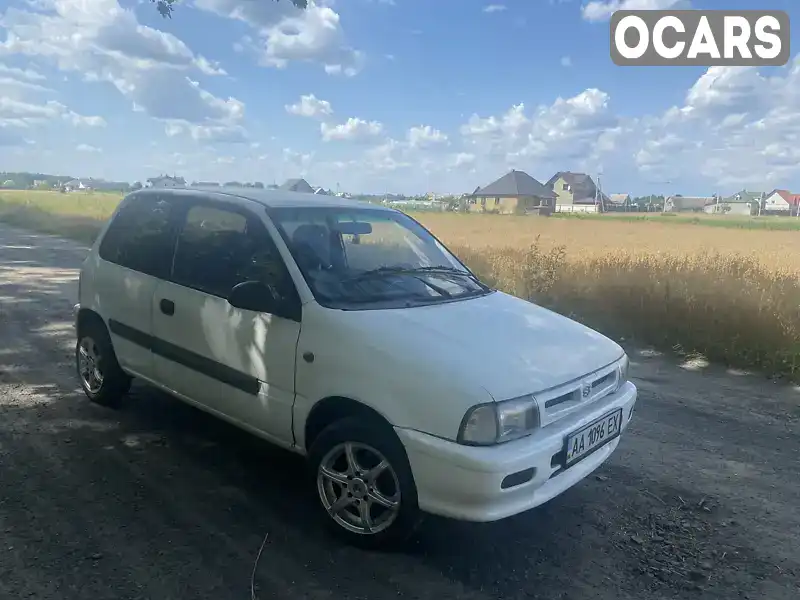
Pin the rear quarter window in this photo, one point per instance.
(141, 236)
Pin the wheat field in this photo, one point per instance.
(592, 239)
(731, 294)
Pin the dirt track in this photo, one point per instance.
(159, 501)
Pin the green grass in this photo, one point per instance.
(77, 216)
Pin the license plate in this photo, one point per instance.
(593, 436)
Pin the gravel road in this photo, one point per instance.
(160, 501)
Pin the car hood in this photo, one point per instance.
(506, 345)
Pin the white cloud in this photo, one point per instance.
(462, 159)
(18, 73)
(105, 43)
(564, 134)
(90, 121)
(206, 133)
(601, 10)
(353, 130)
(425, 135)
(87, 148)
(385, 157)
(286, 33)
(493, 8)
(20, 84)
(509, 124)
(353, 69)
(11, 87)
(310, 106)
(736, 127)
(25, 114)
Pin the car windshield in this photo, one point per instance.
(359, 258)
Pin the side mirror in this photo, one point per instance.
(255, 296)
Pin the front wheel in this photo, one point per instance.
(364, 484)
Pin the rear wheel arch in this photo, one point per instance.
(101, 376)
(89, 318)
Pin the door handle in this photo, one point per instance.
(167, 306)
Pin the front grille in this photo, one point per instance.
(562, 400)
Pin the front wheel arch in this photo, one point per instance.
(335, 408)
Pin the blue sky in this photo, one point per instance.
(382, 95)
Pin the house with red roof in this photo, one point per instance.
(782, 202)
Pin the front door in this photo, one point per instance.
(238, 363)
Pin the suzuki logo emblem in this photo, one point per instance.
(587, 389)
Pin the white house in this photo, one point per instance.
(782, 202)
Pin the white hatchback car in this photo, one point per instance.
(348, 333)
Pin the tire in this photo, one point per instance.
(106, 384)
(370, 442)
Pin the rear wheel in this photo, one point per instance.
(102, 379)
(364, 484)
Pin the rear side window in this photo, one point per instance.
(141, 236)
(218, 249)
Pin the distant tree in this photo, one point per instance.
(232, 184)
(258, 185)
(165, 7)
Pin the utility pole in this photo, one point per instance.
(598, 194)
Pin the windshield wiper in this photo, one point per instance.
(413, 272)
(454, 271)
(380, 271)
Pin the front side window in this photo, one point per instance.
(367, 258)
(141, 236)
(220, 248)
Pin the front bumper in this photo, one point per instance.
(464, 482)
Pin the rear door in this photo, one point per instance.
(237, 363)
(133, 256)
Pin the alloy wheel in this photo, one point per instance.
(359, 488)
(89, 365)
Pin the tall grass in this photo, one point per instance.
(738, 304)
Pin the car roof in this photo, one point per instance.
(270, 198)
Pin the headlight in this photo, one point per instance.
(498, 422)
(623, 367)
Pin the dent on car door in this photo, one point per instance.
(239, 363)
(131, 261)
